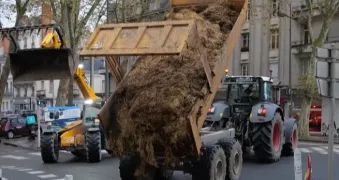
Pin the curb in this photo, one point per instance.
(16, 145)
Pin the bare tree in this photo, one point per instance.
(73, 16)
(20, 9)
(328, 8)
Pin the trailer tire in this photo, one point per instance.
(234, 155)
(93, 144)
(289, 147)
(212, 164)
(163, 174)
(127, 167)
(49, 148)
(268, 139)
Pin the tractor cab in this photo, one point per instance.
(247, 90)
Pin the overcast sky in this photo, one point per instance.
(6, 17)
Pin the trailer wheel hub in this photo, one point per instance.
(219, 170)
(236, 163)
(276, 137)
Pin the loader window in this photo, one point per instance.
(90, 114)
(268, 94)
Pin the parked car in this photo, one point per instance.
(15, 125)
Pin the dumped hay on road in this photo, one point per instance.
(153, 101)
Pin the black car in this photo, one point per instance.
(12, 126)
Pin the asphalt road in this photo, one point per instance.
(25, 164)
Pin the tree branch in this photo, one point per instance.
(55, 17)
(84, 21)
(101, 13)
(309, 20)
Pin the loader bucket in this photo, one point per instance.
(36, 63)
(41, 64)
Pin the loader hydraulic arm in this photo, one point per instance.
(51, 40)
(82, 82)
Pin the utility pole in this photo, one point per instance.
(107, 81)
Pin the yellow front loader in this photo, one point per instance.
(54, 60)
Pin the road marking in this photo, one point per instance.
(25, 169)
(47, 176)
(8, 167)
(36, 154)
(36, 172)
(305, 150)
(14, 157)
(320, 150)
(59, 179)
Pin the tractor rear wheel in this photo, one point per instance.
(289, 147)
(93, 143)
(212, 164)
(49, 148)
(268, 139)
(234, 155)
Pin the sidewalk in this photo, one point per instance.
(21, 143)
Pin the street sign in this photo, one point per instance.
(326, 72)
(298, 174)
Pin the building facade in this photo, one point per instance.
(265, 43)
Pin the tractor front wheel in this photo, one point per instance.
(93, 143)
(268, 139)
(49, 148)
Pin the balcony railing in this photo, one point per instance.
(41, 93)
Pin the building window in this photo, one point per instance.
(307, 39)
(103, 86)
(25, 42)
(42, 85)
(275, 8)
(275, 71)
(33, 41)
(245, 42)
(25, 92)
(304, 65)
(11, 87)
(274, 38)
(244, 69)
(51, 86)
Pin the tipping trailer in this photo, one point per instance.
(217, 154)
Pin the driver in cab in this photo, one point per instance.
(250, 92)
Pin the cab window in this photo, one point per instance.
(268, 94)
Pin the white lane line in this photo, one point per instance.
(305, 150)
(14, 157)
(59, 179)
(319, 150)
(334, 150)
(47, 176)
(36, 154)
(36, 172)
(7, 167)
(23, 169)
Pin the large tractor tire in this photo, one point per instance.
(234, 155)
(49, 148)
(268, 139)
(212, 164)
(291, 135)
(93, 144)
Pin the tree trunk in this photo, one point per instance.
(304, 117)
(62, 92)
(4, 76)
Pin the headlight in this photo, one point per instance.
(80, 66)
(89, 101)
(49, 124)
(97, 121)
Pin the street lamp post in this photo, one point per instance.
(280, 14)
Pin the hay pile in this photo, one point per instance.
(153, 101)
